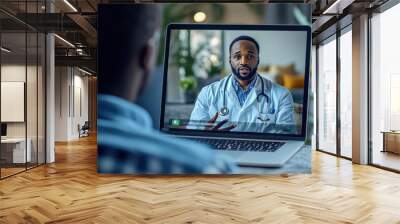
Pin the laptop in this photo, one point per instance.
(241, 89)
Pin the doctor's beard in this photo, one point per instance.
(244, 78)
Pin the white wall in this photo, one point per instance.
(71, 94)
(13, 73)
(79, 115)
(62, 81)
(82, 82)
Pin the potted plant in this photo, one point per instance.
(189, 86)
(185, 60)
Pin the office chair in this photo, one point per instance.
(84, 130)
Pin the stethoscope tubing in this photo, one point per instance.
(225, 111)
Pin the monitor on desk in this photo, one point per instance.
(3, 130)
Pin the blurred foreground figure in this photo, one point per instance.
(126, 141)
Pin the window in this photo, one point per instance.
(385, 88)
(346, 93)
(327, 96)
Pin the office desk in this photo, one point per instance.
(299, 163)
(15, 148)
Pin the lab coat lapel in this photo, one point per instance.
(252, 97)
(232, 102)
(232, 94)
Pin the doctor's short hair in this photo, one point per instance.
(244, 37)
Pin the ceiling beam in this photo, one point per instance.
(80, 20)
(82, 61)
(84, 24)
(337, 7)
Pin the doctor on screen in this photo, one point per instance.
(243, 100)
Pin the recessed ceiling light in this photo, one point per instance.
(70, 5)
(5, 50)
(337, 7)
(65, 41)
(199, 17)
(84, 71)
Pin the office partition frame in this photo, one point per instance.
(337, 30)
(35, 33)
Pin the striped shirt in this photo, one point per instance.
(240, 92)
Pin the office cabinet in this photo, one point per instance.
(391, 142)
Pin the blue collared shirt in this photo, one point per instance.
(128, 144)
(240, 92)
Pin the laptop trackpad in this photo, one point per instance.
(235, 155)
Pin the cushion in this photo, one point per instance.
(291, 81)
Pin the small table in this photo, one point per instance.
(391, 141)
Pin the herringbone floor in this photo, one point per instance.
(70, 191)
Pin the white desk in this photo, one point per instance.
(18, 150)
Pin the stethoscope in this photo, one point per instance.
(261, 116)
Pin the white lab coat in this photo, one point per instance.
(279, 108)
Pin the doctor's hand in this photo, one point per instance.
(211, 125)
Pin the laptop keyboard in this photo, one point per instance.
(240, 145)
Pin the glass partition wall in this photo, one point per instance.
(13, 109)
(326, 101)
(346, 95)
(334, 94)
(385, 89)
(22, 78)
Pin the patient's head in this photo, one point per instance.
(127, 47)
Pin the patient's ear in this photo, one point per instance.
(147, 56)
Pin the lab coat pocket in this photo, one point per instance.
(267, 118)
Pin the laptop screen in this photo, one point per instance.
(236, 79)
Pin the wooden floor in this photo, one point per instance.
(386, 159)
(70, 191)
(5, 172)
(10, 171)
